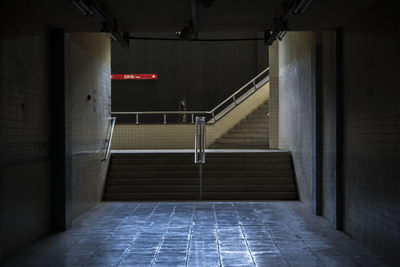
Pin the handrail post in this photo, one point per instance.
(137, 118)
(192, 118)
(234, 99)
(199, 149)
(165, 118)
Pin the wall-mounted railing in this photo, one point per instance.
(216, 113)
(108, 139)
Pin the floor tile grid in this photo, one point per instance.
(289, 243)
(188, 248)
(268, 235)
(121, 214)
(163, 236)
(344, 245)
(138, 232)
(302, 227)
(198, 234)
(238, 218)
(217, 235)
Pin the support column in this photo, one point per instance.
(316, 92)
(60, 184)
(274, 95)
(337, 164)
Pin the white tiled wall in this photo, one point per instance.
(90, 75)
(295, 109)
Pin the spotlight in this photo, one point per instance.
(187, 32)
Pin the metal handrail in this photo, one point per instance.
(232, 97)
(200, 149)
(159, 112)
(199, 140)
(108, 140)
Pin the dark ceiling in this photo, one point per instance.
(172, 15)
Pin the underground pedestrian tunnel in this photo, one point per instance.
(199, 133)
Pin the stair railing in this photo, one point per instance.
(108, 139)
(216, 113)
(200, 149)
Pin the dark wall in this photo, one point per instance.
(371, 129)
(364, 186)
(26, 139)
(204, 73)
(24, 130)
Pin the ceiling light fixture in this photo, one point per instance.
(89, 7)
(280, 28)
(187, 32)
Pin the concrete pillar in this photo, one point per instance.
(60, 184)
(316, 94)
(274, 95)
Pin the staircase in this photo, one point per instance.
(250, 133)
(226, 176)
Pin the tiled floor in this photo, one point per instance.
(198, 234)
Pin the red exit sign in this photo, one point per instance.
(151, 76)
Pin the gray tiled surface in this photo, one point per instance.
(198, 234)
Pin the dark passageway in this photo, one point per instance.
(199, 133)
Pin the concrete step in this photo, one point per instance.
(152, 155)
(153, 181)
(149, 188)
(225, 167)
(261, 119)
(238, 146)
(235, 140)
(154, 161)
(209, 174)
(249, 188)
(195, 181)
(234, 134)
(152, 168)
(269, 154)
(195, 188)
(248, 161)
(226, 176)
(249, 130)
(248, 181)
(150, 196)
(209, 156)
(255, 126)
(249, 124)
(154, 174)
(250, 196)
(206, 196)
(263, 110)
